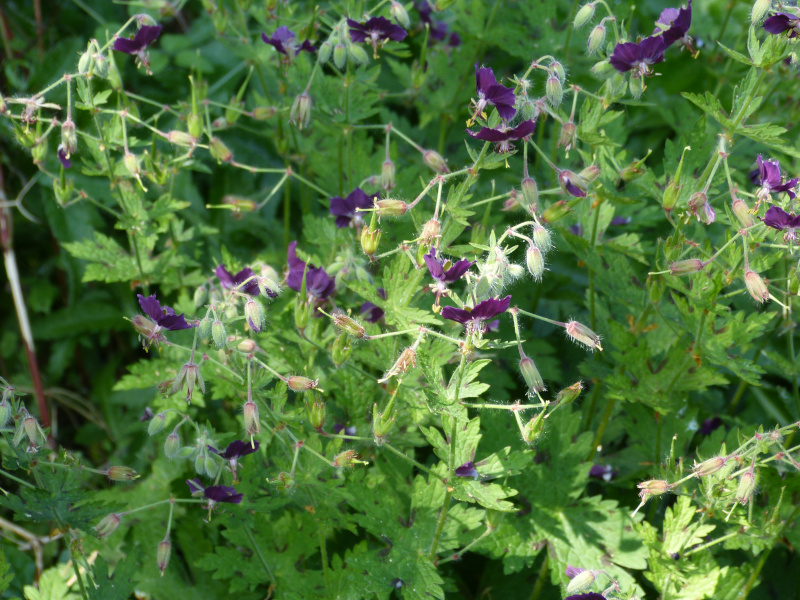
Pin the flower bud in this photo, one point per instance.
(162, 555)
(390, 208)
(132, 164)
(370, 239)
(357, 54)
(742, 212)
(382, 422)
(171, 445)
(181, 138)
(387, 175)
(219, 150)
(349, 325)
(435, 161)
(632, 172)
(298, 383)
(542, 239)
(399, 14)
(654, 487)
(747, 485)
(218, 334)
(430, 232)
(85, 63)
(69, 139)
(760, 10)
(251, 423)
(603, 69)
(247, 346)
(569, 394)
(530, 195)
(656, 285)
(204, 328)
(316, 414)
(584, 15)
(210, 466)
(531, 375)
(572, 183)
(581, 582)
(348, 458)
(555, 212)
(557, 68)
(533, 429)
(341, 349)
(100, 65)
(534, 259)
(581, 334)
(568, 136)
(697, 201)
(407, 359)
(710, 466)
(756, 286)
(184, 453)
(284, 482)
(596, 39)
(685, 267)
(300, 114)
(339, 56)
(554, 91)
(108, 525)
(156, 424)
(194, 125)
(324, 53)
(254, 315)
(118, 473)
(200, 464)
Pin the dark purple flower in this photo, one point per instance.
(620, 220)
(492, 326)
(779, 219)
(146, 35)
(146, 415)
(372, 312)
(454, 272)
(196, 486)
(222, 493)
(589, 596)
(491, 92)
(573, 571)
(338, 428)
(344, 209)
(376, 30)
(604, 472)
(483, 311)
(504, 135)
(780, 22)
(438, 28)
(285, 42)
(709, 425)
(318, 282)
(572, 183)
(630, 55)
(769, 174)
(164, 317)
(64, 157)
(467, 470)
(576, 229)
(230, 282)
(755, 177)
(674, 23)
(235, 451)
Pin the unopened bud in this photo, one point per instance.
(181, 138)
(219, 150)
(162, 555)
(390, 208)
(533, 429)
(603, 69)
(581, 582)
(132, 164)
(742, 212)
(760, 10)
(69, 139)
(534, 259)
(357, 54)
(85, 63)
(251, 423)
(341, 348)
(572, 183)
(581, 334)
(171, 445)
(31, 427)
(631, 172)
(430, 232)
(530, 195)
(569, 394)
(747, 484)
(254, 315)
(554, 91)
(408, 359)
(218, 334)
(325, 51)
(156, 424)
(348, 458)
(685, 267)
(756, 286)
(557, 68)
(118, 473)
(531, 375)
(596, 39)
(399, 14)
(108, 525)
(247, 346)
(339, 56)
(5, 412)
(555, 212)
(200, 296)
(204, 328)
(654, 487)
(709, 467)
(298, 383)
(194, 125)
(349, 325)
(316, 414)
(697, 201)
(584, 15)
(370, 240)
(387, 175)
(100, 65)
(542, 238)
(568, 136)
(435, 161)
(637, 87)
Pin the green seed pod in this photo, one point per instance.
(584, 15)
(194, 125)
(435, 161)
(339, 56)
(581, 582)
(315, 411)
(172, 444)
(341, 349)
(370, 239)
(399, 14)
(325, 51)
(156, 424)
(298, 383)
(637, 87)
(554, 91)
(531, 375)
(204, 328)
(596, 39)
(656, 285)
(200, 464)
(219, 150)
(162, 555)
(530, 195)
(534, 260)
(219, 334)
(687, 267)
(533, 429)
(357, 54)
(210, 466)
(569, 394)
(390, 208)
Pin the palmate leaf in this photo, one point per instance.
(108, 262)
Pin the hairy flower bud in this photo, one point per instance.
(555, 212)
(747, 484)
(339, 56)
(742, 212)
(156, 424)
(298, 383)
(637, 87)
(181, 138)
(399, 14)
(581, 582)
(254, 315)
(568, 136)
(387, 175)
(542, 238)
(325, 51)
(653, 487)
(5, 412)
(300, 114)
(162, 555)
(348, 458)
(407, 359)
(531, 375)
(603, 69)
(569, 394)
(685, 267)
(596, 39)
(584, 15)
(247, 346)
(341, 348)
(251, 423)
(119, 473)
(756, 286)
(534, 259)
(172, 444)
(357, 54)
(349, 325)
(590, 173)
(435, 161)
(533, 429)
(262, 113)
(218, 334)
(557, 68)
(204, 328)
(554, 90)
(530, 195)
(370, 239)
(710, 466)
(316, 414)
(390, 208)
(219, 150)
(430, 232)
(69, 139)
(581, 334)
(108, 525)
(760, 10)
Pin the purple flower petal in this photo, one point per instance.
(151, 306)
(238, 448)
(677, 22)
(488, 134)
(164, 317)
(371, 312)
(222, 493)
(62, 156)
(146, 35)
(377, 28)
(467, 470)
(780, 22)
(483, 311)
(573, 571)
(589, 596)
(777, 218)
(195, 486)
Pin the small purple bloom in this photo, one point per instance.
(376, 30)
(467, 470)
(709, 425)
(372, 312)
(146, 35)
(222, 493)
(674, 23)
(146, 415)
(779, 219)
(230, 282)
(318, 282)
(491, 92)
(338, 428)
(630, 55)
(572, 183)
(164, 317)
(483, 311)
(64, 157)
(344, 209)
(780, 22)
(571, 572)
(492, 326)
(620, 221)
(604, 472)
(589, 596)
(436, 267)
(196, 486)
(769, 174)
(438, 28)
(285, 42)
(504, 135)
(235, 451)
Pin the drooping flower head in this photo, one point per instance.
(770, 180)
(491, 92)
(673, 24)
(445, 271)
(638, 56)
(230, 282)
(376, 30)
(285, 42)
(318, 283)
(467, 470)
(137, 46)
(780, 22)
(779, 219)
(479, 314)
(344, 209)
(604, 472)
(371, 312)
(214, 493)
(503, 135)
(162, 318)
(236, 450)
(64, 157)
